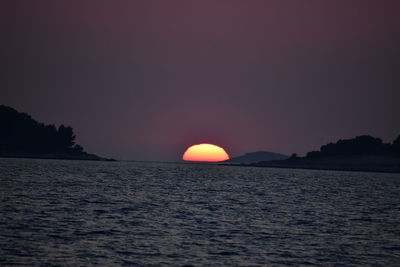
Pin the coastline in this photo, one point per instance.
(370, 163)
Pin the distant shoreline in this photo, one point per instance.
(61, 156)
(370, 163)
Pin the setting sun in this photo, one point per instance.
(205, 152)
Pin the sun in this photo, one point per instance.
(205, 152)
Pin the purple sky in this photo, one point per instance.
(145, 79)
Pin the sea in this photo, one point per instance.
(88, 213)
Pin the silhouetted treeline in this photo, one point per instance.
(20, 133)
(360, 145)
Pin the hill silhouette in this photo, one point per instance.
(258, 156)
(362, 153)
(22, 136)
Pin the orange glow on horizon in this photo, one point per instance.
(205, 152)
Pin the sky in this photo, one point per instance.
(143, 80)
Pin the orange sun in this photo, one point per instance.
(205, 152)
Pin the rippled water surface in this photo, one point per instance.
(79, 213)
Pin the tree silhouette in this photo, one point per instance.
(20, 133)
(66, 136)
(360, 145)
(363, 144)
(396, 145)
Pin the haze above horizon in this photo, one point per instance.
(141, 80)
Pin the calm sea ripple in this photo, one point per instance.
(82, 213)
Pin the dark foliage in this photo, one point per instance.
(396, 144)
(20, 133)
(360, 145)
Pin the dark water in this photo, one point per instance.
(80, 213)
